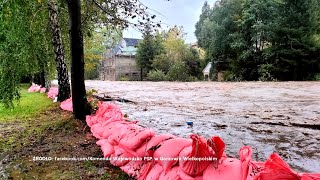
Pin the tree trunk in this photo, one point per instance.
(63, 78)
(141, 74)
(42, 79)
(79, 100)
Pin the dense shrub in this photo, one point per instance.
(156, 75)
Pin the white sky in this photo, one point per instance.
(174, 12)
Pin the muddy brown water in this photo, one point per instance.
(281, 117)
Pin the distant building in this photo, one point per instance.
(206, 71)
(120, 62)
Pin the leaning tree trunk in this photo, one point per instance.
(79, 100)
(63, 78)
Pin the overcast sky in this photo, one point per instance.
(174, 12)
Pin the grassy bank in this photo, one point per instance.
(38, 127)
(28, 106)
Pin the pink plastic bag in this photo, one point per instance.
(134, 136)
(109, 111)
(276, 168)
(170, 175)
(106, 148)
(154, 172)
(43, 90)
(249, 168)
(167, 155)
(97, 130)
(120, 157)
(90, 121)
(53, 92)
(184, 176)
(133, 168)
(146, 168)
(229, 168)
(67, 105)
(199, 149)
(310, 176)
(218, 146)
(113, 128)
(148, 148)
(103, 131)
(34, 88)
(105, 114)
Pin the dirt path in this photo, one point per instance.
(282, 117)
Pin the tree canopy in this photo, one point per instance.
(261, 40)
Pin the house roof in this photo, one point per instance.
(127, 51)
(207, 68)
(131, 42)
(126, 47)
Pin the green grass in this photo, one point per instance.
(28, 106)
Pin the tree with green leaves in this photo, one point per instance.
(148, 49)
(261, 40)
(17, 32)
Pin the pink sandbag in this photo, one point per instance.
(102, 131)
(154, 172)
(89, 121)
(53, 92)
(146, 168)
(109, 111)
(134, 136)
(133, 168)
(106, 148)
(120, 157)
(113, 128)
(218, 146)
(199, 150)
(148, 148)
(67, 105)
(129, 129)
(249, 168)
(106, 112)
(276, 168)
(229, 168)
(43, 90)
(184, 176)
(34, 88)
(310, 176)
(167, 154)
(171, 175)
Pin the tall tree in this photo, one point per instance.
(63, 78)
(79, 100)
(117, 13)
(148, 49)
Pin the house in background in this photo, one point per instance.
(120, 62)
(206, 71)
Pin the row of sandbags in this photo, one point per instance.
(139, 152)
(36, 88)
(52, 93)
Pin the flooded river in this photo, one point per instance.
(282, 117)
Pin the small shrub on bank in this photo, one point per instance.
(156, 75)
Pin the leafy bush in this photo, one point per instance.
(123, 78)
(156, 75)
(162, 62)
(230, 76)
(316, 77)
(265, 72)
(179, 72)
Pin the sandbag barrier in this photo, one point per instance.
(141, 153)
(52, 93)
